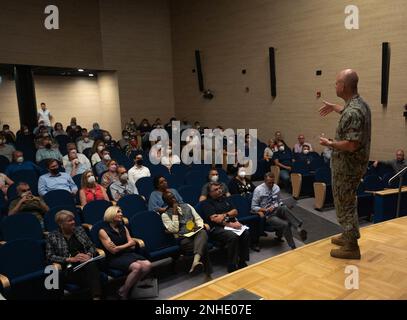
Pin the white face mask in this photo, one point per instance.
(86, 139)
(126, 137)
(281, 148)
(215, 178)
(100, 148)
(124, 177)
(306, 151)
(107, 157)
(242, 173)
(107, 138)
(20, 160)
(91, 179)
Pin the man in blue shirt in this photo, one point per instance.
(155, 202)
(19, 164)
(55, 180)
(266, 202)
(283, 159)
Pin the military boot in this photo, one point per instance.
(338, 240)
(350, 250)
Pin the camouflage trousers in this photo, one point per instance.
(344, 188)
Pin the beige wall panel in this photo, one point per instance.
(137, 42)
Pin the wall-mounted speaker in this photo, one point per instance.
(199, 70)
(272, 72)
(385, 72)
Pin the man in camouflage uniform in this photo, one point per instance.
(350, 158)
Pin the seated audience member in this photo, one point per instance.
(241, 184)
(110, 175)
(185, 125)
(266, 202)
(131, 126)
(5, 182)
(170, 159)
(397, 164)
(69, 246)
(298, 147)
(305, 155)
(5, 149)
(138, 170)
(8, 134)
(155, 202)
(97, 152)
(168, 126)
(48, 151)
(197, 126)
(283, 159)
(158, 124)
(42, 128)
(24, 134)
(74, 162)
(55, 180)
(96, 133)
(59, 130)
(19, 163)
(84, 142)
(213, 177)
(220, 213)
(327, 154)
(145, 129)
(101, 166)
(27, 202)
(133, 146)
(181, 219)
(109, 142)
(73, 130)
(124, 141)
(120, 250)
(269, 151)
(90, 189)
(122, 187)
(278, 136)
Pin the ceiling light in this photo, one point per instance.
(81, 70)
(91, 75)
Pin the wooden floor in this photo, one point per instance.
(310, 273)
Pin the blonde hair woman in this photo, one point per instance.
(120, 254)
(90, 189)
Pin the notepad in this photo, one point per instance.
(237, 231)
(79, 266)
(190, 234)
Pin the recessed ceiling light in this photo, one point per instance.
(91, 75)
(81, 70)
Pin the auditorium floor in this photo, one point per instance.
(310, 273)
(173, 284)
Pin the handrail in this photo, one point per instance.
(401, 172)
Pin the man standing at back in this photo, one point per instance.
(350, 157)
(44, 115)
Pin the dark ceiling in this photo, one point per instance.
(8, 69)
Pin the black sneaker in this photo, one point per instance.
(255, 248)
(303, 235)
(242, 265)
(232, 268)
